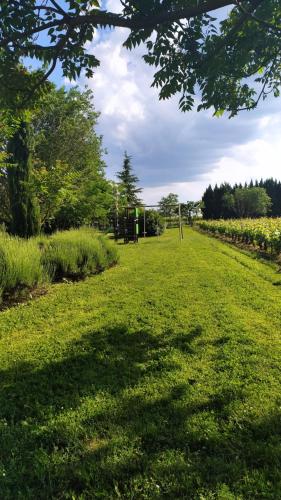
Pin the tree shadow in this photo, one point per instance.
(140, 442)
(168, 451)
(108, 360)
(184, 451)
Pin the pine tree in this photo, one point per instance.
(226, 201)
(128, 182)
(24, 209)
(208, 203)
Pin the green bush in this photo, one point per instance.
(110, 251)
(154, 223)
(73, 254)
(20, 264)
(77, 254)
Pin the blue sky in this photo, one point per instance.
(172, 151)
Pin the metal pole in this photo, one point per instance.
(136, 214)
(180, 224)
(116, 212)
(117, 208)
(181, 229)
(144, 224)
(179, 221)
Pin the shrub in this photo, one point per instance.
(110, 251)
(77, 254)
(154, 223)
(74, 254)
(20, 264)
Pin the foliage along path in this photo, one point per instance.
(158, 379)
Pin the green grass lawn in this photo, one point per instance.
(160, 378)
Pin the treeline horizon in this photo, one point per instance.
(218, 202)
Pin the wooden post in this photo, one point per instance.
(116, 213)
(180, 224)
(136, 224)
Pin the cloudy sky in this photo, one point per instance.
(172, 151)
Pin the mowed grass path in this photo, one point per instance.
(160, 378)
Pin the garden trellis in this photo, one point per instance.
(127, 220)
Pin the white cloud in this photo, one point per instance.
(185, 190)
(255, 160)
(175, 152)
(114, 6)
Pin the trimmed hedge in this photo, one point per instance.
(25, 264)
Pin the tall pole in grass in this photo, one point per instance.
(116, 212)
(180, 224)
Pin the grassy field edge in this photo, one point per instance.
(157, 379)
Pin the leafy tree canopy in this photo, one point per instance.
(251, 202)
(69, 169)
(191, 209)
(168, 205)
(229, 57)
(64, 129)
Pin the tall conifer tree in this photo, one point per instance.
(24, 209)
(128, 182)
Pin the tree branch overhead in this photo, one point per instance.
(186, 32)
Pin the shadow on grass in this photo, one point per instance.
(107, 360)
(144, 434)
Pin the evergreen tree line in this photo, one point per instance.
(256, 199)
